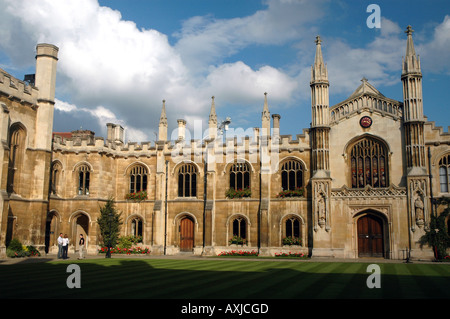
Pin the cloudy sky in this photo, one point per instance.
(119, 59)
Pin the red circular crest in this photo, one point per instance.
(365, 121)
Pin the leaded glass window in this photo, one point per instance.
(240, 176)
(444, 173)
(187, 181)
(138, 179)
(369, 164)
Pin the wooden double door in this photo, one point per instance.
(186, 234)
(370, 236)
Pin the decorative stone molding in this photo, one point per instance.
(368, 192)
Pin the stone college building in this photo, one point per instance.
(359, 182)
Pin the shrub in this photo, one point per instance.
(15, 245)
(128, 241)
(16, 249)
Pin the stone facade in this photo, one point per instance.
(361, 174)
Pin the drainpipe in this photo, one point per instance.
(205, 181)
(431, 183)
(165, 213)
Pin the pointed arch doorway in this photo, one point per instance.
(186, 234)
(80, 226)
(370, 228)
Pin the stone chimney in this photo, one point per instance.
(181, 129)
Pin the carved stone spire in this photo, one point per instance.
(319, 69)
(162, 136)
(265, 117)
(411, 62)
(212, 113)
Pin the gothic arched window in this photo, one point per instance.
(369, 164)
(84, 177)
(16, 154)
(240, 176)
(138, 179)
(187, 181)
(444, 173)
(291, 175)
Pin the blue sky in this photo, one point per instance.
(119, 59)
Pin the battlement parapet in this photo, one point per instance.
(14, 88)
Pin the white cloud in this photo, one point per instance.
(109, 70)
(207, 39)
(435, 55)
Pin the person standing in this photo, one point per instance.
(60, 246)
(65, 246)
(81, 246)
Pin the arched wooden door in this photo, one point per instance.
(186, 234)
(370, 236)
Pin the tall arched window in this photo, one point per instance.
(240, 176)
(16, 154)
(138, 179)
(291, 175)
(444, 173)
(369, 164)
(187, 181)
(84, 176)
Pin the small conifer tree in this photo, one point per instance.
(109, 222)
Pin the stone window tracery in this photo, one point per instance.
(187, 181)
(16, 153)
(138, 179)
(240, 176)
(369, 164)
(444, 173)
(84, 176)
(291, 175)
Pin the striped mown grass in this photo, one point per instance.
(219, 279)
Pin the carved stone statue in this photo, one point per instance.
(418, 210)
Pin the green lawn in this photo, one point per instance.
(218, 279)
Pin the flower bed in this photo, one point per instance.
(126, 251)
(291, 255)
(446, 258)
(238, 253)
